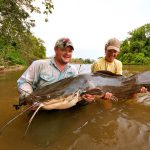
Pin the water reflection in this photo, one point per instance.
(132, 134)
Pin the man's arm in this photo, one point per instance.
(27, 81)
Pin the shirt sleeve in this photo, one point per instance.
(26, 83)
(94, 67)
(119, 68)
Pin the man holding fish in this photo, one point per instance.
(110, 63)
(44, 72)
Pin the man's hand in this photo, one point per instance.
(108, 95)
(143, 90)
(22, 97)
(88, 97)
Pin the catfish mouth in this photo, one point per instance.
(62, 102)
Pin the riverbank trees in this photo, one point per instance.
(81, 61)
(17, 44)
(135, 50)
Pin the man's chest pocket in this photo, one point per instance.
(47, 78)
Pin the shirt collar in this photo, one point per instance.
(52, 61)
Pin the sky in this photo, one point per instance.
(90, 23)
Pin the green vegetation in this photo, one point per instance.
(81, 61)
(21, 52)
(19, 46)
(135, 50)
(17, 43)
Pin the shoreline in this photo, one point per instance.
(4, 69)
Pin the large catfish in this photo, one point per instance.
(66, 93)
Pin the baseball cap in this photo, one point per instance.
(63, 43)
(113, 43)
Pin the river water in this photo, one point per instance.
(100, 125)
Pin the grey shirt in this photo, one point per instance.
(41, 73)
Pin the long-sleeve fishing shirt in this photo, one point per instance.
(41, 73)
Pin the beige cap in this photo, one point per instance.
(113, 43)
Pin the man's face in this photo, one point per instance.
(63, 56)
(111, 54)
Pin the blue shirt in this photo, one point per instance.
(43, 72)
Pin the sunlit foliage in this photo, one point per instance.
(136, 48)
(17, 43)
